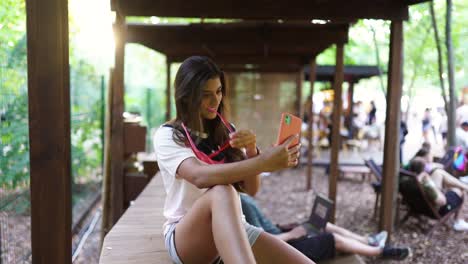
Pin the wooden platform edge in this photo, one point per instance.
(342, 259)
(137, 237)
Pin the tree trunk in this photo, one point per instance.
(451, 77)
(377, 60)
(439, 55)
(417, 62)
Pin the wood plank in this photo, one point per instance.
(344, 259)
(336, 124)
(117, 126)
(137, 238)
(243, 9)
(310, 135)
(253, 33)
(221, 59)
(392, 129)
(261, 68)
(49, 130)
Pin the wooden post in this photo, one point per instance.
(106, 198)
(392, 128)
(299, 76)
(49, 131)
(336, 124)
(168, 90)
(310, 112)
(116, 140)
(350, 105)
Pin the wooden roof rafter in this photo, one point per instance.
(342, 10)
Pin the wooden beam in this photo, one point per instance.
(237, 38)
(253, 60)
(310, 112)
(245, 51)
(291, 9)
(391, 163)
(49, 131)
(168, 90)
(260, 68)
(117, 126)
(336, 125)
(263, 32)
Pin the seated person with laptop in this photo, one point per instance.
(318, 239)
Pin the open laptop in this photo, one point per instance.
(319, 216)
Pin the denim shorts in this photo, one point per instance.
(169, 240)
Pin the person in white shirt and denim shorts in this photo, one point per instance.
(204, 165)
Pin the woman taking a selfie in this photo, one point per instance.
(204, 163)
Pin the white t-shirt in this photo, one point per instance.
(181, 194)
(461, 138)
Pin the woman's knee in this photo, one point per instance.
(457, 191)
(223, 192)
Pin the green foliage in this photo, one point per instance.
(146, 77)
(14, 145)
(86, 106)
(14, 141)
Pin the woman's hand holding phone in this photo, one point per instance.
(281, 156)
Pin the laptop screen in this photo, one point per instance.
(321, 211)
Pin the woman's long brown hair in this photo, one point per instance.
(190, 80)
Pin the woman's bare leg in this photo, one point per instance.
(213, 225)
(269, 249)
(349, 245)
(334, 229)
(444, 179)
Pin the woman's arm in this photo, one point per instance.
(431, 189)
(297, 232)
(251, 184)
(205, 175)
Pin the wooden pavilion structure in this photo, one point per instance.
(262, 46)
(49, 96)
(352, 74)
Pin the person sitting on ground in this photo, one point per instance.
(435, 183)
(323, 245)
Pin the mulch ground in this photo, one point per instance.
(283, 198)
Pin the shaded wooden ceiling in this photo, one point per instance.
(263, 44)
(253, 46)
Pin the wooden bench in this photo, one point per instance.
(137, 238)
(344, 259)
(360, 170)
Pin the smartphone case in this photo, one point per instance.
(290, 125)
